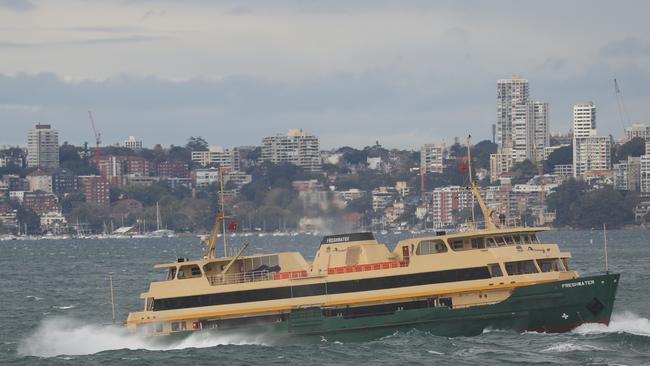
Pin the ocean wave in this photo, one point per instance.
(66, 336)
(34, 298)
(64, 307)
(571, 347)
(626, 322)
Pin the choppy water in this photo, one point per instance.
(55, 307)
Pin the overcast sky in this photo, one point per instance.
(352, 72)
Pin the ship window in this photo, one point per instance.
(550, 265)
(190, 271)
(158, 328)
(491, 243)
(256, 262)
(431, 247)
(177, 326)
(508, 240)
(495, 270)
(565, 262)
(171, 273)
(457, 244)
(533, 239)
(478, 243)
(446, 301)
(520, 267)
(500, 241)
(148, 304)
(525, 239)
(517, 239)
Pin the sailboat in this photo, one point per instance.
(160, 232)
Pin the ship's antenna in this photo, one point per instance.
(605, 248)
(110, 282)
(487, 215)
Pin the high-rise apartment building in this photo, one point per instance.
(43, 147)
(522, 125)
(96, 189)
(449, 200)
(512, 95)
(627, 174)
(537, 114)
(217, 156)
(64, 181)
(644, 177)
(590, 152)
(530, 132)
(133, 143)
(296, 147)
(500, 164)
(584, 120)
(431, 158)
(39, 181)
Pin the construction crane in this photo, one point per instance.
(622, 111)
(98, 138)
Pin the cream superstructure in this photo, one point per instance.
(513, 257)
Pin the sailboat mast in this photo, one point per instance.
(605, 248)
(157, 216)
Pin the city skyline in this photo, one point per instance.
(342, 71)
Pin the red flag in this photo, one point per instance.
(232, 226)
(463, 167)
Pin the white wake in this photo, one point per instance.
(626, 322)
(66, 336)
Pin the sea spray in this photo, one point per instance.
(625, 322)
(66, 336)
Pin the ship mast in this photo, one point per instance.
(220, 222)
(487, 214)
(223, 214)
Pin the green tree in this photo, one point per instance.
(26, 217)
(353, 156)
(635, 148)
(196, 144)
(565, 201)
(523, 172)
(577, 207)
(72, 200)
(562, 155)
(481, 154)
(179, 153)
(363, 204)
(70, 159)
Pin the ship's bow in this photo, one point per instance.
(572, 303)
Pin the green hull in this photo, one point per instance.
(548, 307)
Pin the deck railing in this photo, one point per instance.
(242, 277)
(254, 276)
(509, 223)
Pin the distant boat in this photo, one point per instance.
(162, 233)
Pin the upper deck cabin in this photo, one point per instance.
(512, 251)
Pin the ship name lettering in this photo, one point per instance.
(578, 284)
(338, 240)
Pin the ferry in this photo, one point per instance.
(491, 276)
